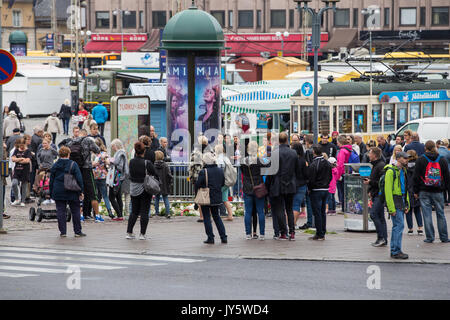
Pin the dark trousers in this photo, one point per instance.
(54, 137)
(377, 216)
(417, 214)
(213, 211)
(318, 202)
(101, 128)
(61, 211)
(340, 189)
(140, 206)
(282, 206)
(117, 203)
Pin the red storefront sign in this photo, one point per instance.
(251, 44)
(113, 42)
(118, 37)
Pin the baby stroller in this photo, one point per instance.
(46, 208)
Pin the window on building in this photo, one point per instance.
(258, 18)
(387, 16)
(305, 19)
(129, 20)
(439, 109)
(220, 17)
(278, 18)
(402, 114)
(389, 122)
(423, 16)
(342, 18)
(141, 19)
(291, 18)
(439, 16)
(17, 18)
(159, 19)
(245, 19)
(355, 17)
(408, 16)
(230, 19)
(427, 110)
(306, 118)
(114, 21)
(324, 119)
(414, 111)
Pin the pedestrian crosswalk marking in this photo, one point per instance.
(21, 262)
(103, 254)
(78, 259)
(60, 264)
(16, 275)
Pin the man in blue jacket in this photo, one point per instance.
(415, 145)
(100, 115)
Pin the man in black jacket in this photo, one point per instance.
(429, 186)
(283, 186)
(320, 176)
(377, 209)
(327, 147)
(36, 141)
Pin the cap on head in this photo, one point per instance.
(16, 130)
(402, 154)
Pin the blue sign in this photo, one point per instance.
(307, 89)
(8, 67)
(415, 96)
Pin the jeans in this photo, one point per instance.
(213, 211)
(141, 205)
(23, 189)
(166, 204)
(427, 199)
(66, 123)
(238, 185)
(377, 216)
(61, 211)
(309, 212)
(397, 231)
(318, 203)
(331, 202)
(409, 217)
(299, 198)
(282, 206)
(54, 137)
(249, 200)
(103, 192)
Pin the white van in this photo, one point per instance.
(428, 129)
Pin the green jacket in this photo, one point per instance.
(393, 190)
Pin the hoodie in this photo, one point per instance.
(420, 171)
(342, 158)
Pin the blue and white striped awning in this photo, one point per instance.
(267, 106)
(258, 96)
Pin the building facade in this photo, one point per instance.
(18, 17)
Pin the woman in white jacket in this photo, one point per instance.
(53, 125)
(9, 124)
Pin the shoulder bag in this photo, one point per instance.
(151, 185)
(202, 198)
(70, 182)
(260, 191)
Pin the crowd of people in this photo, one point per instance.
(285, 177)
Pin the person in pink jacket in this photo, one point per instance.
(332, 188)
(342, 158)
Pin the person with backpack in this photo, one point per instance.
(165, 177)
(345, 155)
(377, 208)
(252, 178)
(395, 186)
(415, 204)
(431, 179)
(230, 178)
(121, 178)
(80, 152)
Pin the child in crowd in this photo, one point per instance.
(332, 188)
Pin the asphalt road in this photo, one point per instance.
(132, 277)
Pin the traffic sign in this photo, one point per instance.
(8, 67)
(307, 89)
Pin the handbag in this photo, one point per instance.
(202, 198)
(151, 184)
(70, 182)
(260, 191)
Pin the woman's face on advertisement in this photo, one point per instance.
(174, 102)
(209, 95)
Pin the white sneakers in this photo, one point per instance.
(131, 236)
(17, 203)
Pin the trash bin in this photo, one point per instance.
(356, 198)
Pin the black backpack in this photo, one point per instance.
(76, 152)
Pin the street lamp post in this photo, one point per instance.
(86, 36)
(316, 18)
(119, 13)
(282, 36)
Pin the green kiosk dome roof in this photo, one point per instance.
(193, 29)
(18, 37)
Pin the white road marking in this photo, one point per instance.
(60, 264)
(66, 258)
(102, 254)
(17, 275)
(34, 269)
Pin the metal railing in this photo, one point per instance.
(183, 189)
